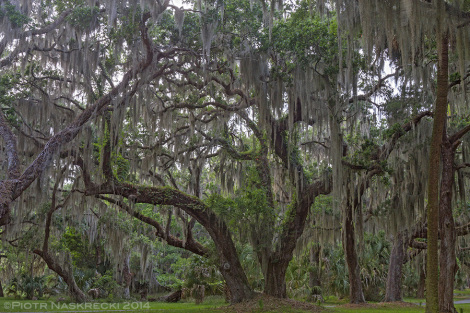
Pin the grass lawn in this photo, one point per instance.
(211, 305)
(14, 305)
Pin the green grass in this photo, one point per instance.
(210, 305)
(15, 305)
(378, 310)
(332, 300)
(415, 300)
(462, 294)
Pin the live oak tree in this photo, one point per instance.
(224, 116)
(95, 103)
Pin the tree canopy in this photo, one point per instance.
(245, 137)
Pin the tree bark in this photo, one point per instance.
(314, 277)
(127, 277)
(447, 258)
(295, 218)
(173, 297)
(232, 271)
(440, 111)
(356, 294)
(421, 284)
(275, 278)
(393, 291)
(76, 293)
(1, 290)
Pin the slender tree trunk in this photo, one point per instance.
(356, 294)
(432, 270)
(447, 260)
(314, 278)
(421, 284)
(76, 293)
(127, 277)
(1, 290)
(393, 291)
(349, 245)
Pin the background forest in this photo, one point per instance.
(295, 148)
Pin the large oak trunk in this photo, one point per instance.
(275, 278)
(447, 261)
(393, 291)
(232, 271)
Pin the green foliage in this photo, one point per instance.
(323, 204)
(128, 27)
(334, 272)
(62, 5)
(202, 272)
(121, 167)
(79, 248)
(28, 285)
(242, 23)
(338, 282)
(223, 206)
(365, 154)
(305, 39)
(245, 206)
(297, 277)
(410, 279)
(251, 266)
(455, 76)
(108, 284)
(394, 129)
(83, 17)
(84, 277)
(17, 19)
(374, 265)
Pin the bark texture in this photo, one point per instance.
(314, 276)
(393, 291)
(127, 277)
(447, 258)
(440, 111)
(421, 284)
(276, 266)
(356, 295)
